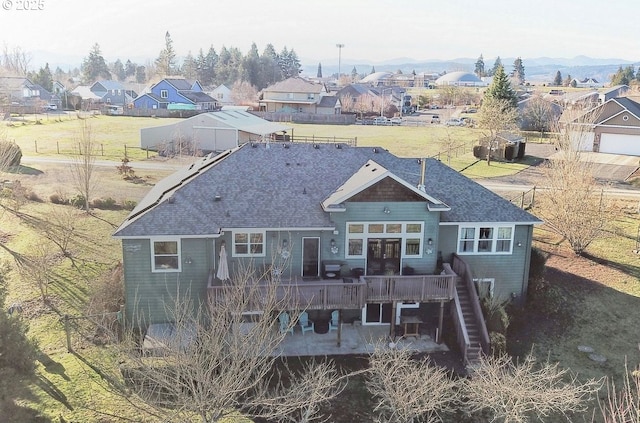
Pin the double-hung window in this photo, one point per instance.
(165, 256)
(248, 244)
(485, 239)
(164, 94)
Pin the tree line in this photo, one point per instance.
(209, 66)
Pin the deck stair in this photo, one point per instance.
(474, 350)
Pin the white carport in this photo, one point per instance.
(620, 144)
(214, 131)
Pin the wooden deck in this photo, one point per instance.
(331, 294)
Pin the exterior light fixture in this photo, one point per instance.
(334, 247)
(386, 210)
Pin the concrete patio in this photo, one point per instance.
(356, 339)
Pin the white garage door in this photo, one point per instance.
(620, 144)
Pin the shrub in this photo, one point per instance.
(58, 199)
(129, 205)
(32, 196)
(77, 200)
(104, 203)
(498, 343)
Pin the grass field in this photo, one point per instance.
(598, 296)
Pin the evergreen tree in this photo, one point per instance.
(354, 74)
(500, 88)
(94, 66)
(289, 63)
(496, 65)
(567, 81)
(319, 74)
(373, 70)
(189, 67)
(252, 65)
(166, 61)
(269, 71)
(129, 69)
(206, 64)
(557, 81)
(518, 71)
(480, 72)
(43, 78)
(623, 76)
(141, 74)
(118, 70)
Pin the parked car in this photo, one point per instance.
(435, 118)
(380, 120)
(51, 107)
(454, 122)
(396, 120)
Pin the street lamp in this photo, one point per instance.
(339, 59)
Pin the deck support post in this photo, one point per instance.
(392, 326)
(339, 327)
(440, 320)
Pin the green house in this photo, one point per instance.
(400, 233)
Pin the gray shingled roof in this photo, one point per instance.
(258, 187)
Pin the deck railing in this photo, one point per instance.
(339, 294)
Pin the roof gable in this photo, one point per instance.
(296, 85)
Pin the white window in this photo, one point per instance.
(485, 239)
(164, 94)
(411, 234)
(484, 287)
(248, 244)
(311, 96)
(165, 256)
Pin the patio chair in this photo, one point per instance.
(285, 325)
(334, 322)
(305, 323)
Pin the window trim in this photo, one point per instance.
(164, 93)
(249, 232)
(154, 269)
(495, 229)
(403, 235)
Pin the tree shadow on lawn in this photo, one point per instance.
(24, 170)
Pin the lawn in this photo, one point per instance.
(598, 295)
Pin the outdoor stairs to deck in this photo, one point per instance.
(475, 349)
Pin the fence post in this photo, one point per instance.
(125, 150)
(58, 146)
(533, 196)
(102, 148)
(522, 200)
(35, 142)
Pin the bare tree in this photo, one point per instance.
(622, 405)
(538, 115)
(496, 115)
(16, 61)
(243, 93)
(10, 152)
(36, 268)
(83, 169)
(515, 392)
(408, 389)
(220, 360)
(573, 204)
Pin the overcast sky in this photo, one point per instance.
(373, 31)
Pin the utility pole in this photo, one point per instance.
(339, 60)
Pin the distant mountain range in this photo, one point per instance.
(537, 70)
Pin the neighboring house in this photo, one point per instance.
(22, 92)
(213, 131)
(504, 146)
(586, 83)
(615, 130)
(222, 95)
(363, 231)
(176, 94)
(113, 93)
(298, 95)
(613, 92)
(88, 99)
(381, 96)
